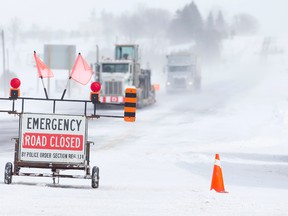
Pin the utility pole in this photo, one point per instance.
(4, 67)
(3, 50)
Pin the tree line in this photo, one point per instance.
(186, 25)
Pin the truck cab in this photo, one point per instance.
(122, 72)
(182, 72)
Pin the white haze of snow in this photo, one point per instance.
(61, 14)
(162, 164)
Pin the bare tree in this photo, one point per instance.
(245, 24)
(144, 23)
(14, 30)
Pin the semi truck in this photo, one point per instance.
(182, 72)
(125, 70)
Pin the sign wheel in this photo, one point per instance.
(95, 177)
(8, 173)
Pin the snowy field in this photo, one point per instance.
(162, 164)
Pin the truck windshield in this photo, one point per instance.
(179, 68)
(181, 59)
(115, 68)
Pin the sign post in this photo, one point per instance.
(59, 57)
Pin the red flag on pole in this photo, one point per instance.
(43, 70)
(81, 71)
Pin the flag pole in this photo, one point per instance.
(44, 88)
(63, 94)
(41, 78)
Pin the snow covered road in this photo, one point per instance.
(162, 164)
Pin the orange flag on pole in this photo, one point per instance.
(43, 70)
(81, 71)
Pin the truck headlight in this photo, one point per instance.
(168, 83)
(190, 83)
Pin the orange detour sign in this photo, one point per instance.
(217, 179)
(130, 105)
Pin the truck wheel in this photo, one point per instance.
(140, 103)
(197, 85)
(8, 173)
(95, 177)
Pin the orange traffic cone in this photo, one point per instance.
(217, 179)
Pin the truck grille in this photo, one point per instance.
(180, 82)
(113, 88)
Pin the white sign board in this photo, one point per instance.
(52, 138)
(59, 56)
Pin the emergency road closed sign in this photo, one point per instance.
(52, 138)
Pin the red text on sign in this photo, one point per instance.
(52, 141)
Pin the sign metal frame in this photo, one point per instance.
(55, 165)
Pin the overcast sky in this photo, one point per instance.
(56, 13)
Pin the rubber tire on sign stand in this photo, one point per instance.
(95, 177)
(8, 173)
